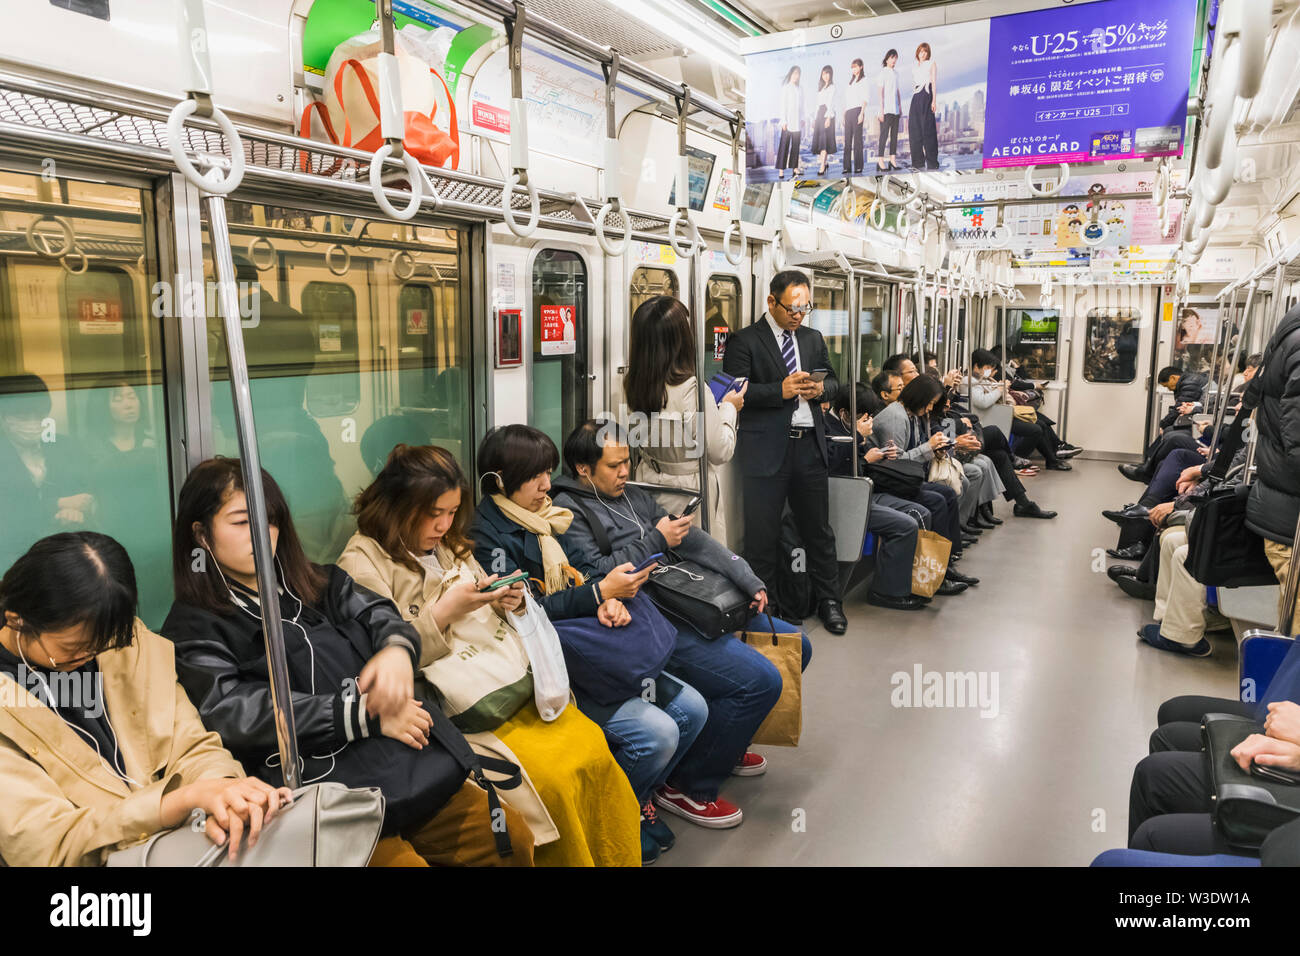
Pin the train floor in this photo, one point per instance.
(1033, 771)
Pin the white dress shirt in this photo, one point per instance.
(802, 417)
(921, 75)
(887, 83)
(857, 96)
(791, 106)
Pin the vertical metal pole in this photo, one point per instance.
(1221, 404)
(702, 392)
(263, 557)
(1226, 322)
(855, 348)
(1286, 613)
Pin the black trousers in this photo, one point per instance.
(944, 510)
(922, 131)
(1160, 449)
(1169, 801)
(787, 149)
(853, 140)
(889, 133)
(996, 447)
(803, 481)
(1039, 438)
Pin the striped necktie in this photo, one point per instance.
(787, 352)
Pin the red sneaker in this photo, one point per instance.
(716, 814)
(751, 765)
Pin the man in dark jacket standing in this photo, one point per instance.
(781, 439)
(1273, 508)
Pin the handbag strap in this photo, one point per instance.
(455, 744)
(597, 529)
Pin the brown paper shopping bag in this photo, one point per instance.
(785, 720)
(930, 563)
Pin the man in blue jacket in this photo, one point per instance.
(740, 685)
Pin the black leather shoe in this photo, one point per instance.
(905, 602)
(1064, 452)
(1138, 589)
(1117, 571)
(961, 578)
(832, 616)
(1032, 510)
(986, 512)
(949, 587)
(972, 529)
(1128, 513)
(1059, 465)
(1133, 552)
(1134, 473)
(968, 540)
(979, 521)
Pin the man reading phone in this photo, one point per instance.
(781, 439)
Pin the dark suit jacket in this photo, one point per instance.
(764, 425)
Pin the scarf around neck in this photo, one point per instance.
(546, 523)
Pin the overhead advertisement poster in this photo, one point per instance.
(1096, 82)
(1088, 83)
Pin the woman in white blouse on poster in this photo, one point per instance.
(891, 107)
(856, 98)
(922, 130)
(791, 118)
(823, 142)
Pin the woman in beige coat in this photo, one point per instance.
(100, 748)
(661, 389)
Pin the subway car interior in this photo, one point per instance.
(1036, 593)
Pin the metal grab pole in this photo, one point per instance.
(702, 392)
(855, 329)
(1221, 403)
(1227, 321)
(263, 558)
(1286, 612)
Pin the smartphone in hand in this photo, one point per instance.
(653, 559)
(505, 582)
(819, 375)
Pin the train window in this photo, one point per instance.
(648, 283)
(721, 318)
(1110, 346)
(559, 359)
(345, 359)
(873, 305)
(1032, 339)
(830, 316)
(83, 429)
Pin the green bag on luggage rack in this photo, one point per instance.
(1247, 807)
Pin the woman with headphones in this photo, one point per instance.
(99, 746)
(351, 661)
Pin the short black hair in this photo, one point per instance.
(518, 453)
(24, 395)
(983, 357)
(1168, 372)
(895, 362)
(76, 577)
(916, 358)
(920, 392)
(880, 384)
(586, 443)
(784, 279)
(868, 401)
(1255, 361)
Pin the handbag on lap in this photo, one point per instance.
(901, 477)
(1247, 807)
(1221, 550)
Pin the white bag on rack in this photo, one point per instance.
(550, 676)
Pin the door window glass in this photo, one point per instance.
(830, 317)
(1110, 346)
(559, 370)
(721, 318)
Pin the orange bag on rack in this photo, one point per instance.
(352, 104)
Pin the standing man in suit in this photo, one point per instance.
(781, 439)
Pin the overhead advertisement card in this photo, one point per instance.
(1086, 83)
(1096, 82)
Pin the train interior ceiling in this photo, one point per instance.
(396, 300)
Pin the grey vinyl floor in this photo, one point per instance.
(1042, 781)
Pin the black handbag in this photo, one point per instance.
(688, 593)
(1221, 550)
(901, 477)
(1247, 807)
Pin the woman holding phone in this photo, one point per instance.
(517, 526)
(661, 386)
(411, 548)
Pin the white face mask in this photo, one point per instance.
(430, 562)
(26, 431)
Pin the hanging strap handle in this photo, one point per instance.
(612, 165)
(518, 131)
(683, 215)
(737, 186)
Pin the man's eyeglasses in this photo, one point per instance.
(796, 313)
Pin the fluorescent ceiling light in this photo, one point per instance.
(699, 35)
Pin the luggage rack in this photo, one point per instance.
(64, 123)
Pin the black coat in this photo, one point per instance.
(763, 429)
(1274, 502)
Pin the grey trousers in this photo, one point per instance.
(895, 534)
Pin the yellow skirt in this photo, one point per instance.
(585, 791)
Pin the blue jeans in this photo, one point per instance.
(648, 740)
(740, 686)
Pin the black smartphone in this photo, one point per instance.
(690, 507)
(505, 582)
(819, 375)
(1276, 774)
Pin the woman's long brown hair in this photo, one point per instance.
(661, 352)
(404, 492)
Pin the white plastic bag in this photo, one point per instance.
(550, 676)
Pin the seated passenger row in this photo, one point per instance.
(392, 655)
